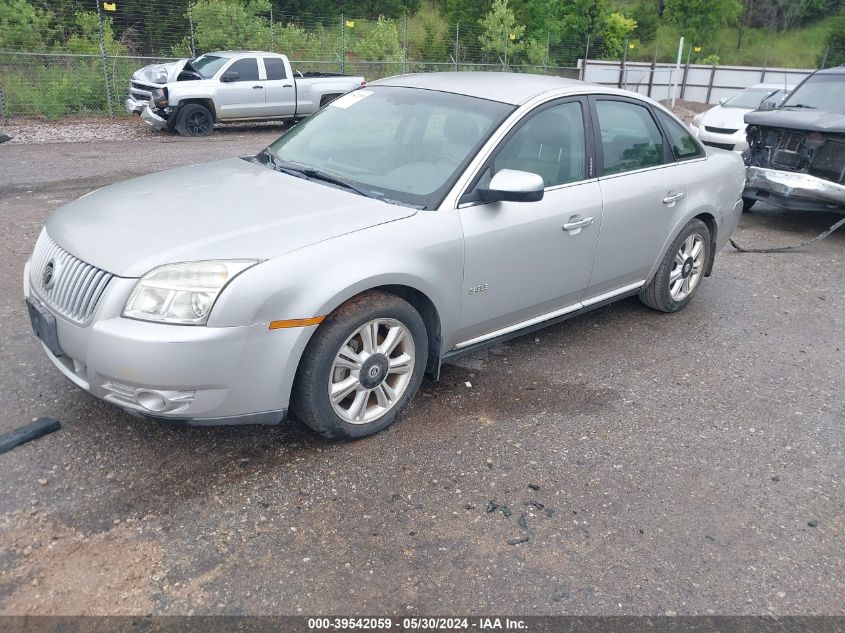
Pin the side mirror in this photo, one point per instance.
(229, 76)
(768, 105)
(513, 186)
(723, 100)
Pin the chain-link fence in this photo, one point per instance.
(76, 59)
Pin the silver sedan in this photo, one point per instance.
(396, 228)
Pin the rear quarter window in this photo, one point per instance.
(684, 146)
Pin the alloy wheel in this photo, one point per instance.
(371, 371)
(687, 267)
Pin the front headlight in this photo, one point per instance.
(158, 98)
(182, 293)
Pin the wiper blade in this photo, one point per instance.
(316, 174)
(799, 105)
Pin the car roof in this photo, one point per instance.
(836, 70)
(772, 86)
(512, 88)
(236, 53)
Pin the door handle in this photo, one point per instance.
(672, 198)
(257, 87)
(287, 85)
(577, 225)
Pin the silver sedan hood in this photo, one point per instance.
(229, 209)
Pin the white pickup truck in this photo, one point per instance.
(190, 95)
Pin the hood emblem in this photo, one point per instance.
(48, 275)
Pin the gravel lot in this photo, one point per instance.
(688, 463)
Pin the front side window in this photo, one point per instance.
(275, 68)
(630, 138)
(550, 144)
(246, 68)
(683, 144)
(401, 144)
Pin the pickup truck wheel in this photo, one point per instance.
(362, 367)
(681, 271)
(747, 203)
(194, 120)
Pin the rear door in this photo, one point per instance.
(643, 189)
(244, 97)
(279, 89)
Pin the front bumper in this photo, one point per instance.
(735, 142)
(195, 375)
(792, 189)
(134, 106)
(152, 119)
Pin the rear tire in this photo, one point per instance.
(747, 203)
(681, 270)
(194, 119)
(370, 354)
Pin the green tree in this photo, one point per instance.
(23, 26)
(381, 44)
(227, 24)
(700, 19)
(835, 42)
(647, 18)
(615, 33)
(502, 33)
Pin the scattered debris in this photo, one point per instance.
(43, 482)
(517, 541)
(535, 504)
(492, 506)
(27, 433)
(468, 384)
(812, 523)
(506, 511)
(550, 512)
(243, 461)
(534, 487)
(523, 523)
(4, 138)
(775, 478)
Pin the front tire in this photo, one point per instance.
(194, 120)
(681, 271)
(362, 367)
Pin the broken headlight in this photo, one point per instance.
(158, 98)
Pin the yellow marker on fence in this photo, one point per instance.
(350, 24)
(110, 6)
(513, 37)
(697, 49)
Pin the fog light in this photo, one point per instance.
(151, 401)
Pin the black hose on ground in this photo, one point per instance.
(782, 249)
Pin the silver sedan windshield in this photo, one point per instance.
(402, 144)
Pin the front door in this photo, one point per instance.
(532, 260)
(244, 97)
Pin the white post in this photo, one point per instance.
(677, 70)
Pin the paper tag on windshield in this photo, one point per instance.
(350, 98)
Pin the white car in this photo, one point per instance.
(724, 126)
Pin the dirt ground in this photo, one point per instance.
(686, 464)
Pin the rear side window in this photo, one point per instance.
(246, 68)
(275, 68)
(630, 138)
(682, 142)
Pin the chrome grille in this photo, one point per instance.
(75, 287)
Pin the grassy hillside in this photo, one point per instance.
(798, 48)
